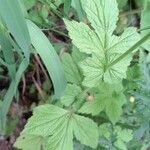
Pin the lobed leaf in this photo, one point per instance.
(70, 95)
(100, 42)
(109, 100)
(58, 126)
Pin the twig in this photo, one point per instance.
(41, 66)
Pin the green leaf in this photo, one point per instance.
(103, 46)
(77, 56)
(82, 37)
(44, 117)
(120, 144)
(30, 142)
(145, 23)
(58, 126)
(10, 93)
(12, 15)
(78, 6)
(29, 3)
(49, 57)
(120, 136)
(1, 103)
(8, 54)
(52, 121)
(71, 70)
(86, 131)
(62, 138)
(121, 3)
(123, 136)
(104, 131)
(103, 16)
(139, 3)
(70, 94)
(110, 99)
(67, 5)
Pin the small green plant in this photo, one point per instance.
(93, 106)
(17, 34)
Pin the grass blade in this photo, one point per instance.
(145, 23)
(8, 54)
(12, 15)
(9, 95)
(49, 57)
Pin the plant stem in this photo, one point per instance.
(130, 13)
(131, 49)
(143, 29)
(59, 32)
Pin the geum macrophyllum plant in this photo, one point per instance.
(101, 64)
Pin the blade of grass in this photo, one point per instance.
(49, 56)
(67, 5)
(10, 93)
(12, 15)
(78, 6)
(8, 54)
(145, 23)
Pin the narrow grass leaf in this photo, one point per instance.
(12, 15)
(10, 93)
(145, 23)
(49, 57)
(8, 54)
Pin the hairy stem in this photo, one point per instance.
(131, 49)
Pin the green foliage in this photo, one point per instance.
(101, 44)
(109, 99)
(15, 44)
(30, 142)
(80, 12)
(9, 11)
(71, 94)
(145, 24)
(72, 73)
(121, 3)
(58, 126)
(29, 4)
(105, 103)
(49, 57)
(114, 137)
(142, 97)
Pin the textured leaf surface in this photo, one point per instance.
(121, 136)
(30, 142)
(58, 125)
(70, 95)
(85, 131)
(104, 131)
(110, 100)
(103, 16)
(83, 37)
(103, 46)
(124, 134)
(71, 70)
